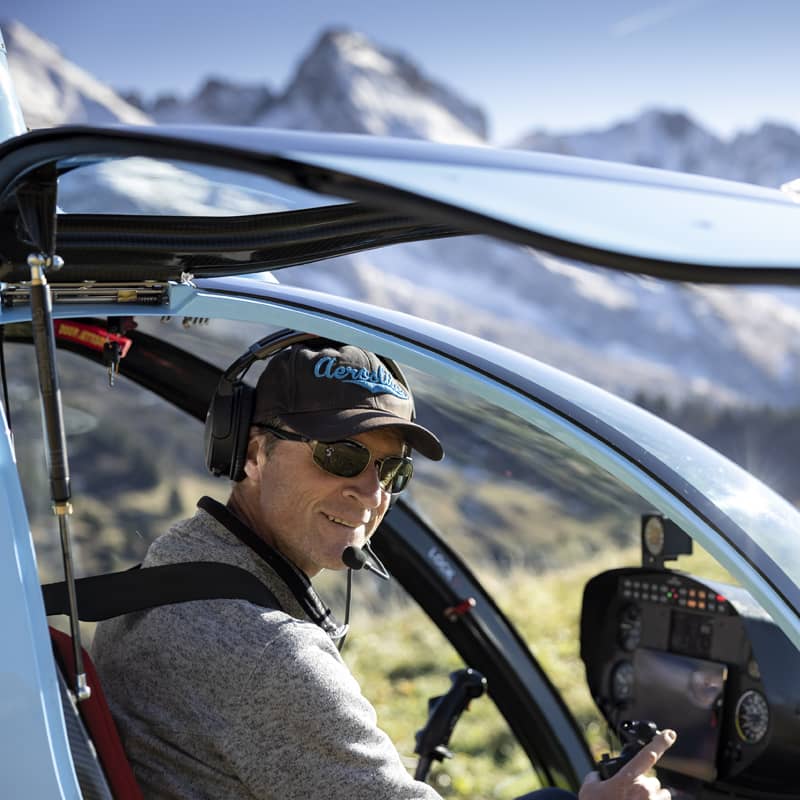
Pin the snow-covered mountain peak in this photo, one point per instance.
(54, 91)
(346, 83)
(350, 47)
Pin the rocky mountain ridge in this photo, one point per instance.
(218, 102)
(769, 155)
(631, 335)
(344, 84)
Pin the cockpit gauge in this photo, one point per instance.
(752, 717)
(630, 627)
(654, 536)
(622, 682)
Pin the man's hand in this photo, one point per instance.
(630, 783)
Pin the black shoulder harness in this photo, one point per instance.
(114, 594)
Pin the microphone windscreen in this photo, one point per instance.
(354, 558)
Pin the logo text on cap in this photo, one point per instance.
(377, 381)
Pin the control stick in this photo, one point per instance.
(635, 734)
(443, 713)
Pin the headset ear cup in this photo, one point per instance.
(241, 416)
(217, 431)
(230, 412)
(227, 429)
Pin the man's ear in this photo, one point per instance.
(254, 445)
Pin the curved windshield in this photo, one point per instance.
(141, 185)
(536, 521)
(761, 519)
(621, 209)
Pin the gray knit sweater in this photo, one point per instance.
(223, 699)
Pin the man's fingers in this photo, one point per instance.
(646, 758)
(651, 785)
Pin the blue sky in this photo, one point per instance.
(553, 64)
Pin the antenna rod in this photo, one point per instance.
(55, 440)
(37, 205)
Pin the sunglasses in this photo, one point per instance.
(348, 458)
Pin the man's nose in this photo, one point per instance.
(366, 487)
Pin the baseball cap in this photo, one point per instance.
(328, 391)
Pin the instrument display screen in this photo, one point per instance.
(684, 694)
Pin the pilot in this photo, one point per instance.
(228, 699)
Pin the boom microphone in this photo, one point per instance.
(357, 559)
(354, 558)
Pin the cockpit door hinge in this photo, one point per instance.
(151, 293)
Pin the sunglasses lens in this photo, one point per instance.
(395, 473)
(348, 459)
(345, 459)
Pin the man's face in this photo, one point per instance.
(310, 515)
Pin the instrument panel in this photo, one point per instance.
(702, 658)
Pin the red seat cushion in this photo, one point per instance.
(99, 723)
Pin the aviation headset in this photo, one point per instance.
(227, 430)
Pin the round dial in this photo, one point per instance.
(630, 627)
(654, 536)
(752, 717)
(622, 682)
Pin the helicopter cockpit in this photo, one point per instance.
(701, 657)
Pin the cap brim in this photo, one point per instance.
(328, 426)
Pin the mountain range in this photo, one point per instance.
(633, 335)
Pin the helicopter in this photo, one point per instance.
(160, 303)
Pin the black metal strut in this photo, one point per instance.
(36, 199)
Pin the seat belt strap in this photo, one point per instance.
(116, 593)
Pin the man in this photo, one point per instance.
(227, 699)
